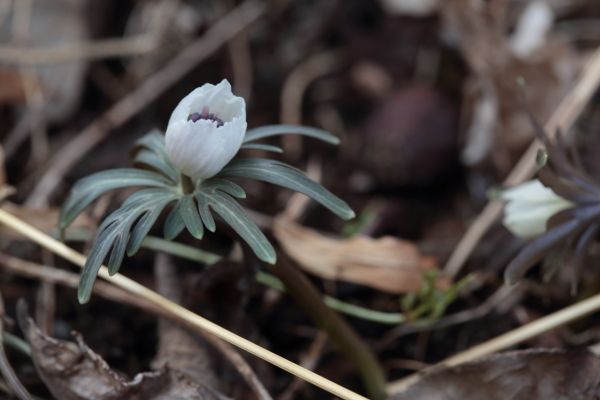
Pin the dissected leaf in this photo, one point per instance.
(203, 209)
(114, 234)
(387, 264)
(73, 371)
(516, 375)
(144, 224)
(189, 214)
(276, 130)
(261, 146)
(284, 175)
(538, 249)
(90, 188)
(235, 216)
(150, 151)
(225, 186)
(174, 223)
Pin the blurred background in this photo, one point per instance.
(423, 95)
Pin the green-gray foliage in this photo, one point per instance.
(161, 187)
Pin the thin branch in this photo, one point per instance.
(106, 48)
(294, 88)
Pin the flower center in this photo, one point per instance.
(205, 114)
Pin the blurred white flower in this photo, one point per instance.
(529, 207)
(532, 28)
(411, 8)
(206, 130)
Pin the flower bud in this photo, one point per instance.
(206, 130)
(529, 207)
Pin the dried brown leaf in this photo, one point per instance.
(516, 375)
(388, 264)
(72, 371)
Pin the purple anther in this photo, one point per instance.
(205, 115)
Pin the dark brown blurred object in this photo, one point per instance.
(411, 138)
(73, 371)
(518, 375)
(12, 90)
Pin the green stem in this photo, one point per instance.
(187, 184)
(339, 305)
(309, 299)
(16, 342)
(206, 257)
(181, 250)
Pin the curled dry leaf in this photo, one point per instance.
(72, 371)
(388, 264)
(516, 375)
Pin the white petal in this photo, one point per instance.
(201, 149)
(532, 191)
(529, 207)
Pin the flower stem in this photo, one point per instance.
(338, 330)
(187, 184)
(309, 299)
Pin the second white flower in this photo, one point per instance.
(529, 207)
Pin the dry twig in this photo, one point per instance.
(107, 48)
(294, 89)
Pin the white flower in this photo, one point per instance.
(206, 130)
(529, 207)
